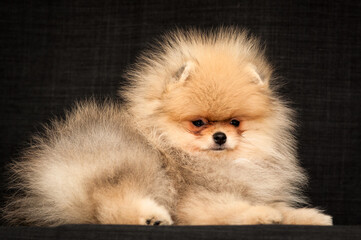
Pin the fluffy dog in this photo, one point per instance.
(202, 138)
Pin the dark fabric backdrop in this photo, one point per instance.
(56, 52)
(111, 232)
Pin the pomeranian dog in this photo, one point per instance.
(203, 138)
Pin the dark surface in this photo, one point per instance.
(55, 52)
(195, 232)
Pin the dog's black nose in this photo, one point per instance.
(219, 138)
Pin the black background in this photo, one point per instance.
(56, 52)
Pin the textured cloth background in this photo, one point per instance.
(55, 52)
(260, 232)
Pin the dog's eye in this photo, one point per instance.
(234, 122)
(198, 123)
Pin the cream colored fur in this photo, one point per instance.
(145, 162)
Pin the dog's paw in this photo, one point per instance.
(260, 215)
(156, 221)
(152, 214)
(130, 209)
(322, 219)
(305, 216)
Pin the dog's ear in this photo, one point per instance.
(258, 76)
(183, 72)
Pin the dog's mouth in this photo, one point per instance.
(218, 148)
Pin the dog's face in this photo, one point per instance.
(212, 104)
